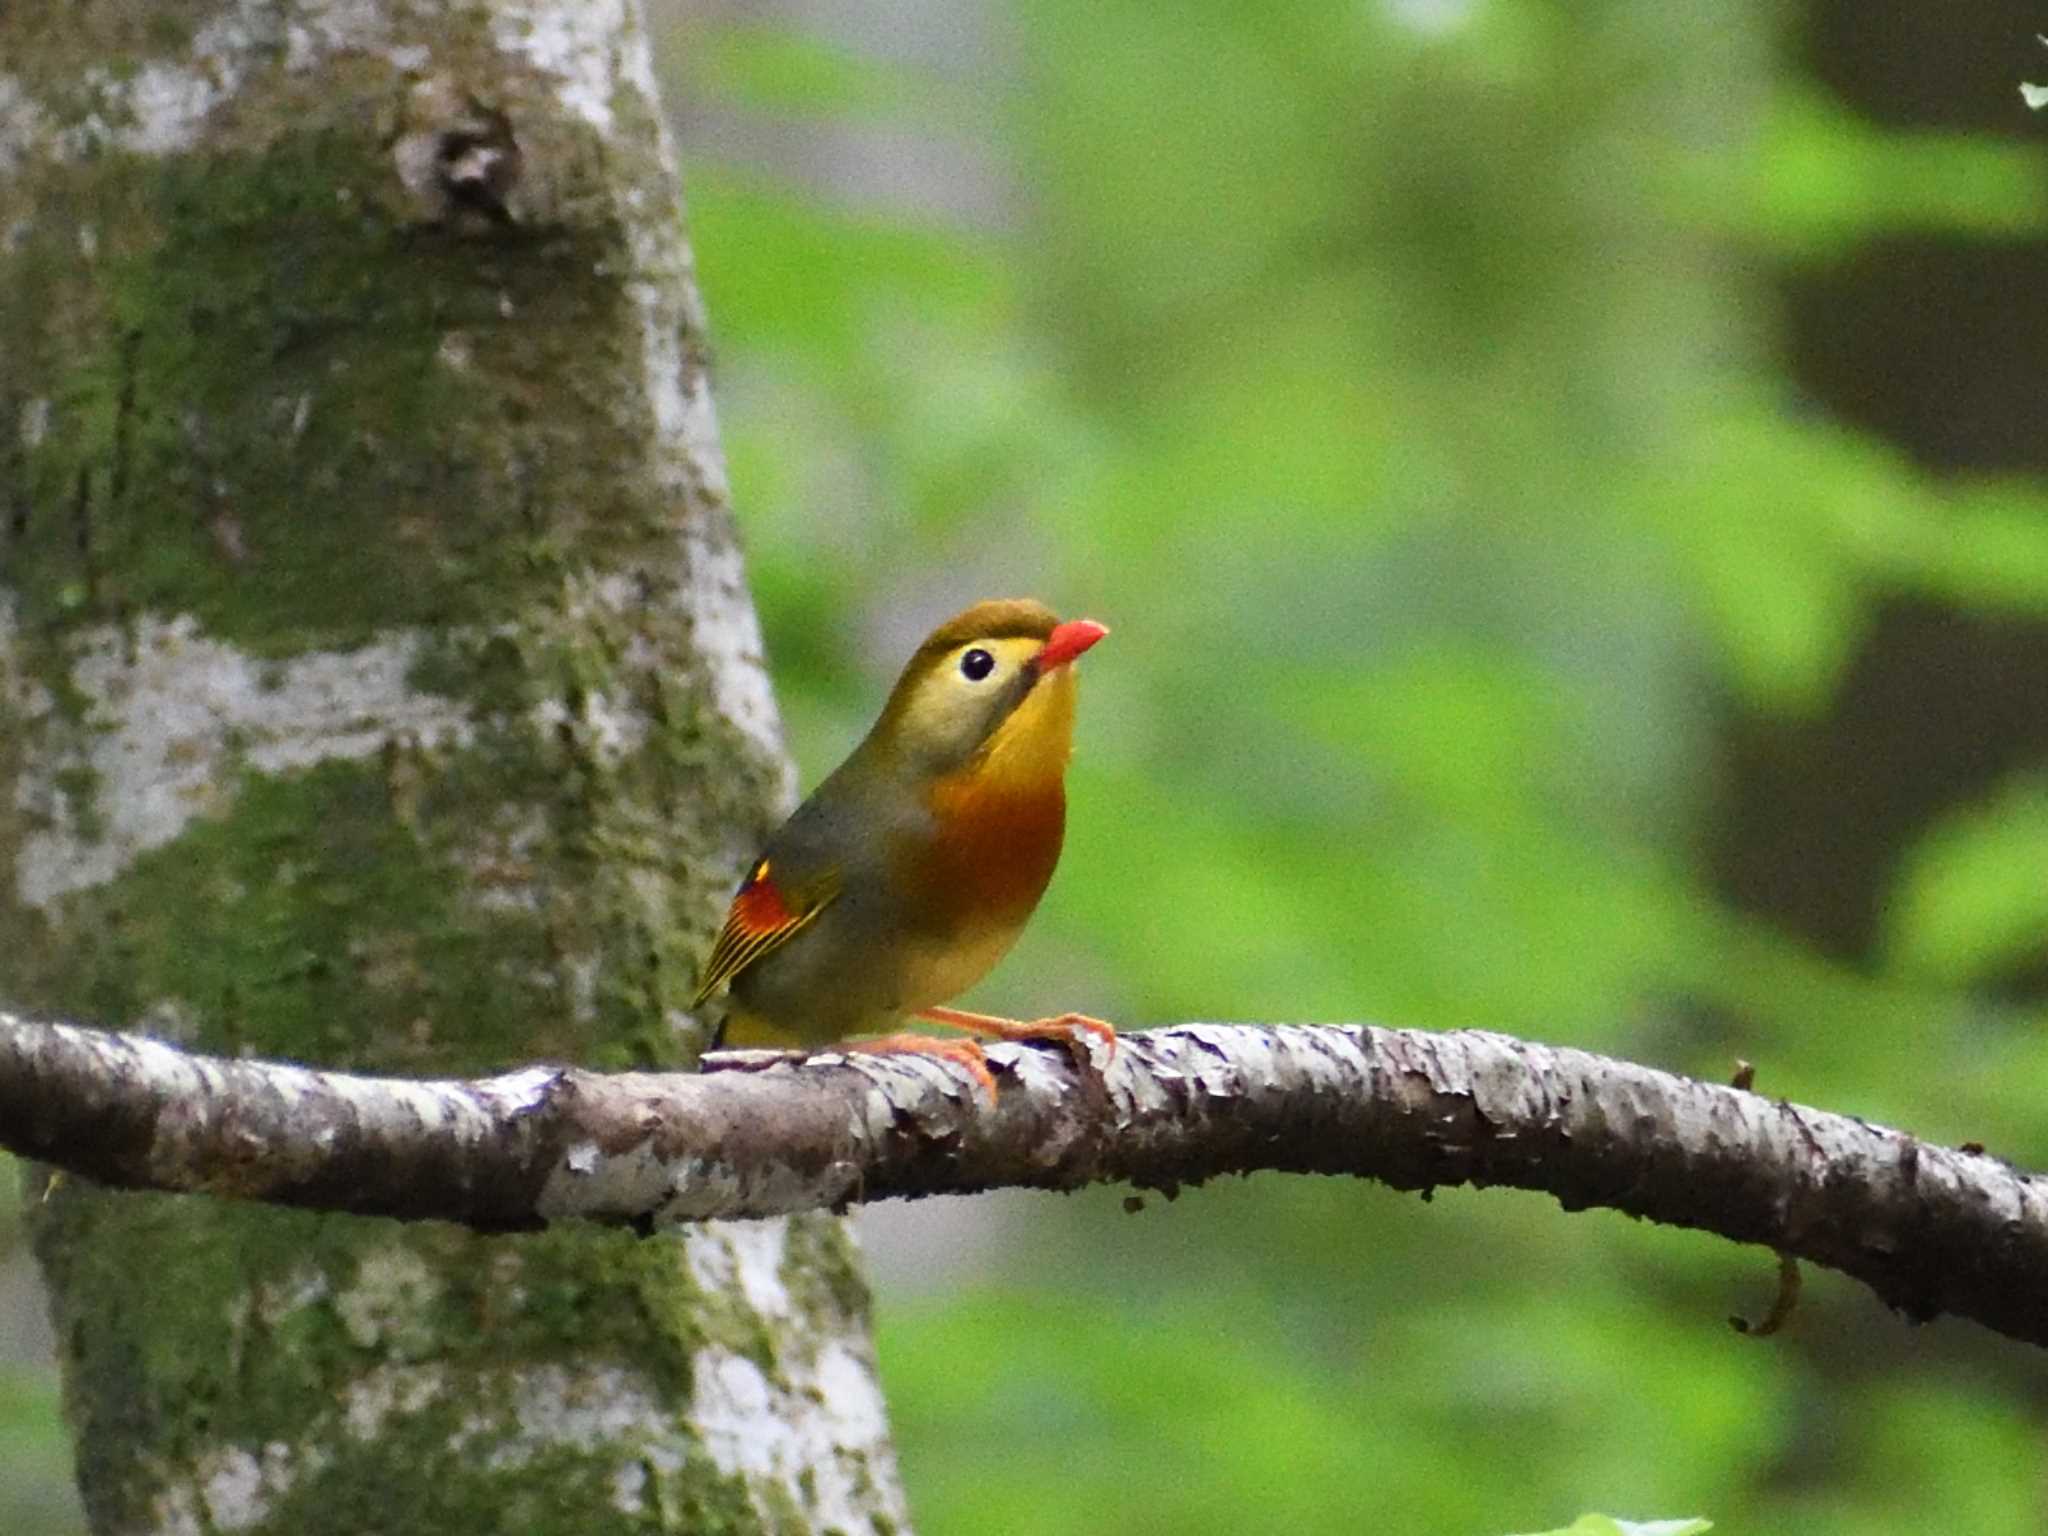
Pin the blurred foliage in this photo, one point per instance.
(35, 1495)
(35, 1456)
(1404, 383)
(1973, 897)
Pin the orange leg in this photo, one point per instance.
(1066, 1028)
(966, 1053)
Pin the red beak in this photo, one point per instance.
(1068, 641)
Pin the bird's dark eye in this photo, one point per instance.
(976, 664)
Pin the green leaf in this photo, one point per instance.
(1973, 896)
(1825, 178)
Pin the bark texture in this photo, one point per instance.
(1930, 1229)
(378, 687)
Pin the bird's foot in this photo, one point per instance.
(1067, 1028)
(965, 1053)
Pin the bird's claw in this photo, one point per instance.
(1071, 1026)
(1067, 1028)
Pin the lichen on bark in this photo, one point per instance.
(377, 688)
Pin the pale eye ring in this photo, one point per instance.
(976, 664)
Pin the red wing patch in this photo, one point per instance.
(758, 908)
(761, 919)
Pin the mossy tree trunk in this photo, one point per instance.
(378, 687)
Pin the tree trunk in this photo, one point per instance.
(378, 688)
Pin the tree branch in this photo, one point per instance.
(1930, 1229)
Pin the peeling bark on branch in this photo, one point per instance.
(1930, 1229)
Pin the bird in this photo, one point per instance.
(912, 868)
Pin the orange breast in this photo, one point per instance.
(995, 850)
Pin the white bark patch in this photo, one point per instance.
(35, 415)
(22, 126)
(276, 1301)
(316, 32)
(167, 105)
(238, 1487)
(233, 1489)
(629, 1487)
(371, 1400)
(728, 636)
(741, 1255)
(817, 1433)
(455, 352)
(167, 705)
(691, 466)
(576, 46)
(611, 725)
(386, 1304)
(583, 1408)
(687, 454)
(557, 1405)
(162, 108)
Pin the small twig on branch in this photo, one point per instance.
(1787, 1296)
(1930, 1229)
(1782, 1302)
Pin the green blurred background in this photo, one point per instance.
(1567, 483)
